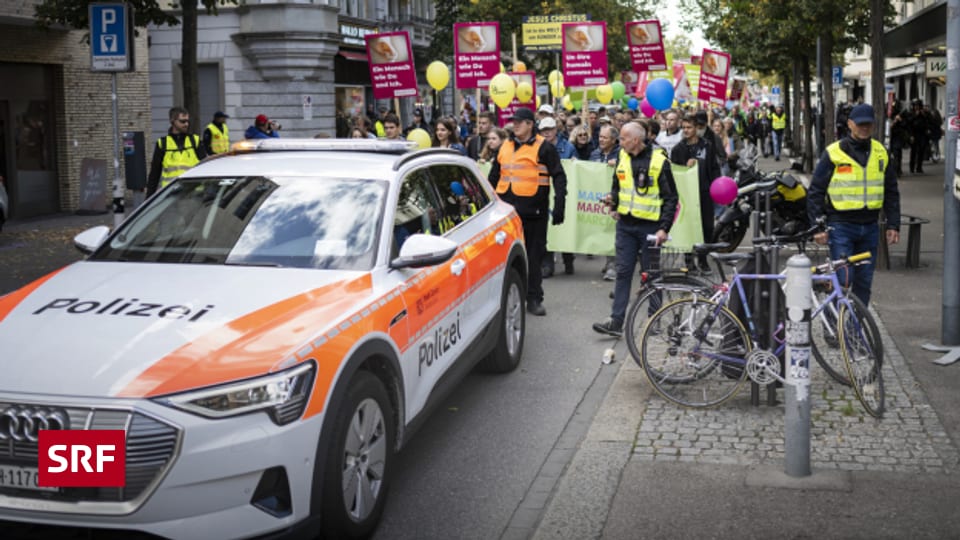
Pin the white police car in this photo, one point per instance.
(267, 330)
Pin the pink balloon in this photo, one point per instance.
(647, 109)
(723, 190)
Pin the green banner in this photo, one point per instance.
(588, 226)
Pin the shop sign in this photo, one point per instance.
(353, 35)
(936, 66)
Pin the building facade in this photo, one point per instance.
(302, 64)
(915, 58)
(55, 112)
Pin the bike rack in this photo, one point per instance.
(763, 226)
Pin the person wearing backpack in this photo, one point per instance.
(175, 153)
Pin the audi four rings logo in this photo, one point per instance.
(24, 423)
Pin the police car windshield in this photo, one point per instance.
(288, 222)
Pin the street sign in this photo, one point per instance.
(110, 31)
(837, 75)
(775, 90)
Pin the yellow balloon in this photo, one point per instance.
(524, 92)
(554, 76)
(538, 101)
(519, 66)
(502, 69)
(567, 103)
(438, 75)
(557, 88)
(604, 93)
(421, 137)
(502, 89)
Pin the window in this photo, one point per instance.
(418, 209)
(462, 196)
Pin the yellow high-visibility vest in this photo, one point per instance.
(779, 120)
(219, 139)
(175, 160)
(645, 204)
(853, 187)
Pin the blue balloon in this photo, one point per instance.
(660, 94)
(632, 104)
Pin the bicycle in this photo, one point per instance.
(662, 285)
(697, 353)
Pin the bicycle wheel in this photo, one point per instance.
(858, 336)
(652, 297)
(824, 338)
(694, 352)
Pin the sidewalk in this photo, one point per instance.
(649, 469)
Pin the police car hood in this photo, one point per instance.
(138, 330)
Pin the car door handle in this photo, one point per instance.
(457, 267)
(500, 237)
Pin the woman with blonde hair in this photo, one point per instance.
(495, 139)
(580, 139)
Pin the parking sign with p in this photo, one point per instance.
(110, 31)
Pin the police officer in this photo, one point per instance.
(522, 172)
(216, 137)
(852, 183)
(643, 200)
(176, 153)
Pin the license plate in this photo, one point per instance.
(15, 476)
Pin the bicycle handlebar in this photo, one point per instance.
(849, 261)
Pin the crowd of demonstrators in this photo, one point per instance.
(918, 129)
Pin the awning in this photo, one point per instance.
(924, 29)
(351, 55)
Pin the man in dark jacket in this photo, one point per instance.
(175, 153)
(919, 125)
(852, 183)
(643, 200)
(694, 150)
(522, 173)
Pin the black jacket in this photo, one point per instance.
(706, 156)
(817, 204)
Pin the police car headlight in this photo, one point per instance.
(282, 395)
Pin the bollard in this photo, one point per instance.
(797, 388)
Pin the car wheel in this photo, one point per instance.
(359, 465)
(506, 356)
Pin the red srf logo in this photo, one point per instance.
(78, 458)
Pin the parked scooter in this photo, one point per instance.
(788, 203)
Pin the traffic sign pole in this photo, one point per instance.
(118, 188)
(110, 51)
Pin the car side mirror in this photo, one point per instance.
(89, 240)
(420, 250)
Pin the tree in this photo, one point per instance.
(74, 13)
(679, 46)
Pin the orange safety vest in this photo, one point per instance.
(519, 169)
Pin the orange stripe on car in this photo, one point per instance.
(250, 345)
(12, 300)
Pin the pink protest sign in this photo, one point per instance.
(584, 53)
(476, 48)
(391, 65)
(714, 70)
(646, 46)
(530, 77)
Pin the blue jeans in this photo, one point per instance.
(631, 239)
(777, 142)
(849, 239)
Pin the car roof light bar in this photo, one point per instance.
(342, 145)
